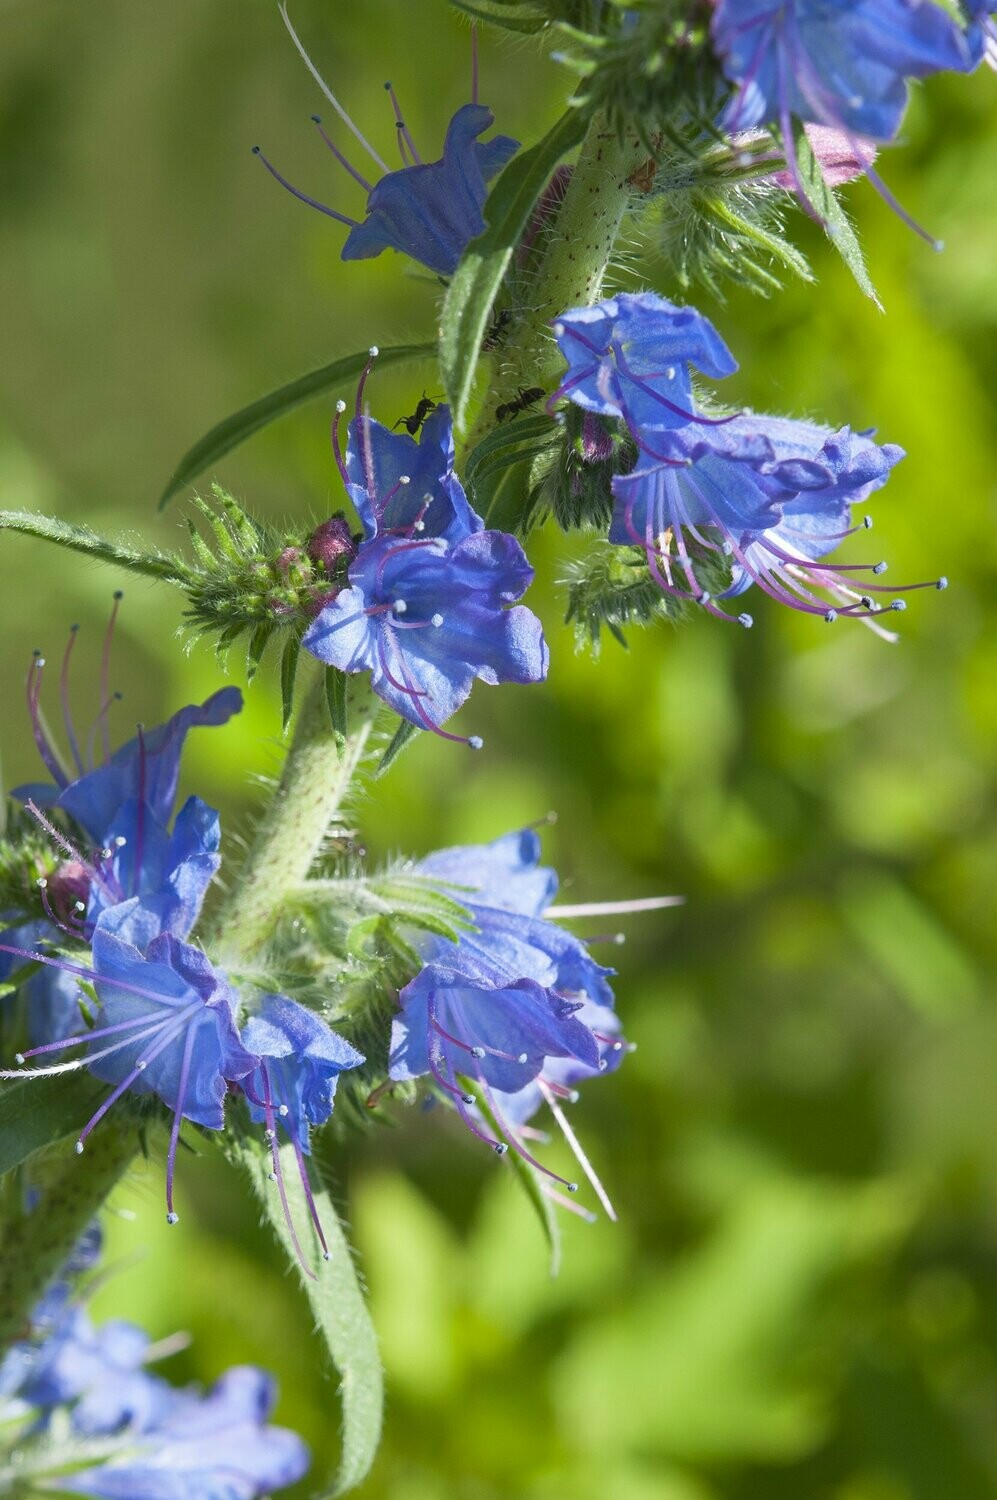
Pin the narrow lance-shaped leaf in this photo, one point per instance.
(37, 1112)
(825, 203)
(242, 424)
(82, 539)
(477, 279)
(510, 16)
(288, 672)
(337, 1301)
(403, 736)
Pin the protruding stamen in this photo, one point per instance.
(323, 208)
(105, 670)
(404, 134)
(33, 688)
(474, 62)
(328, 92)
(171, 1155)
(317, 119)
(615, 908)
(579, 1154)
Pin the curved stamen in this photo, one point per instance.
(576, 1148)
(368, 187)
(337, 451)
(105, 671)
(404, 134)
(170, 1032)
(328, 92)
(474, 62)
(171, 1155)
(100, 724)
(61, 842)
(323, 208)
(517, 1144)
(33, 687)
(67, 717)
(277, 1175)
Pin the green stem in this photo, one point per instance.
(35, 1245)
(573, 266)
(317, 775)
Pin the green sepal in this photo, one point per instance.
(527, 1176)
(335, 1294)
(258, 642)
(825, 204)
(403, 735)
(241, 425)
(476, 281)
(335, 697)
(288, 673)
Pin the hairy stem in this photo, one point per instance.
(35, 1245)
(317, 776)
(573, 264)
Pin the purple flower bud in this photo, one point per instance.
(330, 541)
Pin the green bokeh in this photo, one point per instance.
(799, 1300)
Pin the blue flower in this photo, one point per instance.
(630, 356)
(426, 620)
(840, 64)
(51, 997)
(430, 211)
(426, 608)
(772, 519)
(165, 1026)
(516, 1009)
(401, 487)
(506, 891)
(214, 1447)
(299, 1062)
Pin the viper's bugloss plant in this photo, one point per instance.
(308, 994)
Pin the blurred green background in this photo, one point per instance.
(800, 1299)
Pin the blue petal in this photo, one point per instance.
(376, 458)
(432, 211)
(95, 799)
(304, 1058)
(840, 65)
(505, 873)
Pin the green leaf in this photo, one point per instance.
(335, 697)
(404, 735)
(37, 1112)
(836, 222)
(511, 16)
(476, 281)
(288, 672)
(242, 424)
(526, 1175)
(82, 539)
(337, 1301)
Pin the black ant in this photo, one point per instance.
(523, 402)
(415, 421)
(494, 335)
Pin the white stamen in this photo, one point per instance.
(436, 620)
(340, 407)
(400, 607)
(328, 92)
(615, 908)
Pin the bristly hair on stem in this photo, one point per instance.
(611, 588)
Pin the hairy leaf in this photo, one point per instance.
(82, 539)
(336, 1297)
(476, 281)
(824, 202)
(511, 16)
(242, 424)
(403, 735)
(37, 1112)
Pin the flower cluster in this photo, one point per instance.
(516, 1010)
(427, 609)
(845, 67)
(107, 1427)
(770, 495)
(119, 910)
